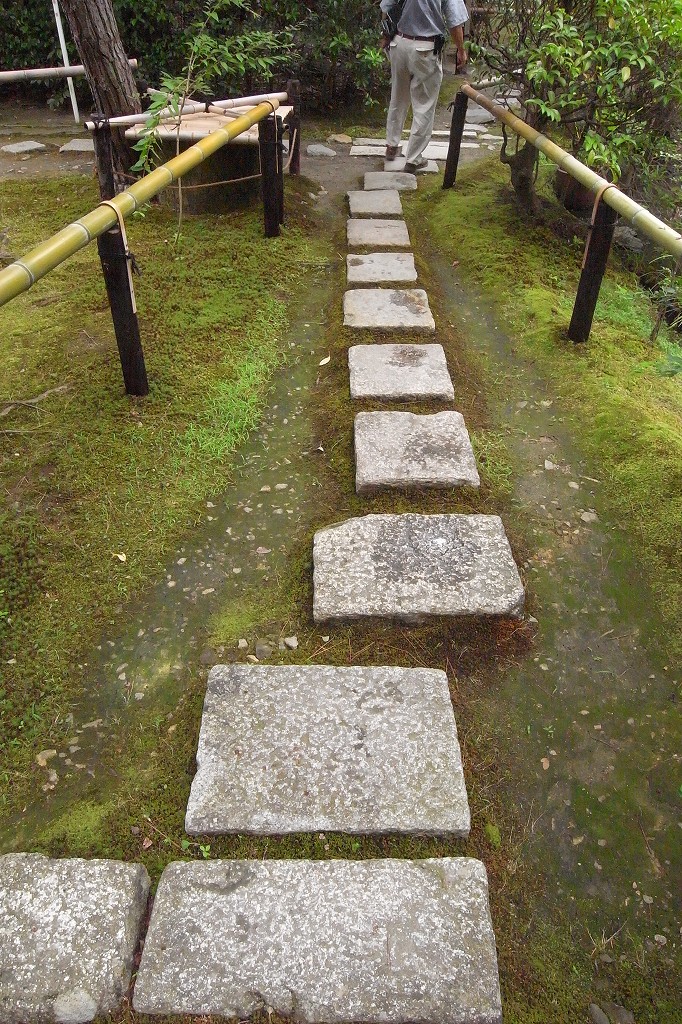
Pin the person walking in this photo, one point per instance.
(416, 69)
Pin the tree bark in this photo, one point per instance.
(110, 77)
(523, 166)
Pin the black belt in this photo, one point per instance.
(419, 39)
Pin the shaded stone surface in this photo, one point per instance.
(381, 268)
(413, 567)
(399, 372)
(388, 309)
(382, 203)
(390, 179)
(373, 150)
(323, 941)
(316, 748)
(16, 148)
(400, 449)
(78, 146)
(317, 149)
(439, 150)
(399, 163)
(69, 932)
(377, 232)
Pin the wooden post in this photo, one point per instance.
(267, 140)
(280, 169)
(459, 114)
(594, 266)
(104, 157)
(294, 94)
(117, 277)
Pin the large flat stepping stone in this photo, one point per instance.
(414, 567)
(403, 372)
(16, 148)
(78, 146)
(388, 309)
(382, 203)
(399, 163)
(400, 449)
(69, 930)
(314, 748)
(323, 941)
(381, 268)
(376, 232)
(397, 180)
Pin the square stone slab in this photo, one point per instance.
(315, 748)
(384, 203)
(374, 232)
(69, 931)
(381, 268)
(388, 309)
(407, 372)
(15, 148)
(334, 941)
(399, 449)
(390, 179)
(414, 567)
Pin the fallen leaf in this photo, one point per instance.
(545, 763)
(146, 843)
(323, 362)
(121, 556)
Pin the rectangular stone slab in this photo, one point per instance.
(414, 567)
(383, 203)
(358, 150)
(313, 748)
(335, 941)
(399, 164)
(381, 268)
(376, 232)
(390, 179)
(388, 309)
(403, 372)
(400, 449)
(69, 930)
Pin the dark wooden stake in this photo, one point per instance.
(294, 93)
(280, 168)
(594, 266)
(104, 157)
(267, 140)
(115, 267)
(459, 115)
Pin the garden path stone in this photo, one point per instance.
(317, 748)
(374, 232)
(415, 567)
(398, 164)
(375, 204)
(323, 941)
(78, 146)
(317, 149)
(398, 180)
(16, 148)
(399, 372)
(70, 929)
(388, 309)
(401, 449)
(381, 268)
(374, 150)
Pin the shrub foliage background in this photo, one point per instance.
(335, 41)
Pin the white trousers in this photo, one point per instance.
(416, 76)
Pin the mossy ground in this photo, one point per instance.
(549, 970)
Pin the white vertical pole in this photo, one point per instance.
(65, 57)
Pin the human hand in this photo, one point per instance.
(462, 58)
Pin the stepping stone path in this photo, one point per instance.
(375, 204)
(377, 940)
(388, 309)
(308, 749)
(399, 372)
(415, 567)
(399, 449)
(381, 268)
(289, 749)
(377, 232)
(70, 930)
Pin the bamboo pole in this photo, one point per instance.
(215, 106)
(32, 74)
(23, 274)
(660, 233)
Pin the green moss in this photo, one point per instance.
(628, 418)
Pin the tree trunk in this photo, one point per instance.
(522, 165)
(110, 77)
